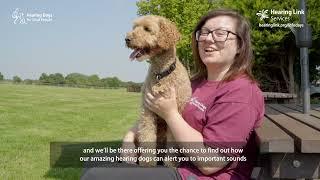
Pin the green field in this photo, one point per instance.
(33, 116)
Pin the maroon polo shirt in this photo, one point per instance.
(227, 115)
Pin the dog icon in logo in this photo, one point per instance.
(18, 17)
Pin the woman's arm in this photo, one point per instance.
(179, 127)
(181, 130)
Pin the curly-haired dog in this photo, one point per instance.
(154, 38)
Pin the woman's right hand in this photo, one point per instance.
(129, 143)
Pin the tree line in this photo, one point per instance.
(1, 77)
(76, 80)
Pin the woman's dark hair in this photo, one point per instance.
(243, 60)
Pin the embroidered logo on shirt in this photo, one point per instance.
(198, 104)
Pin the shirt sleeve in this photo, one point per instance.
(228, 125)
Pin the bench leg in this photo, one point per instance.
(260, 173)
(256, 173)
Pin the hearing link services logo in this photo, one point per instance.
(20, 17)
(283, 18)
(263, 14)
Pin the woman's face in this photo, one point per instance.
(218, 52)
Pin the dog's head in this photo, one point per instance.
(150, 36)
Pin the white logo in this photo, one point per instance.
(198, 104)
(263, 14)
(25, 18)
(18, 17)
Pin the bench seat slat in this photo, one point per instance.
(272, 139)
(315, 107)
(299, 108)
(307, 139)
(304, 118)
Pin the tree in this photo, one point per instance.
(111, 82)
(114, 82)
(56, 79)
(185, 13)
(1, 77)
(16, 79)
(274, 62)
(77, 79)
(314, 20)
(44, 78)
(52, 79)
(94, 80)
(272, 66)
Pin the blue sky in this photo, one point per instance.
(83, 36)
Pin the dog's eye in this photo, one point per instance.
(147, 29)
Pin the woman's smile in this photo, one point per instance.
(209, 50)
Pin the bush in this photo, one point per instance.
(16, 79)
(134, 87)
(1, 77)
(28, 81)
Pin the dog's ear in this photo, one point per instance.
(169, 34)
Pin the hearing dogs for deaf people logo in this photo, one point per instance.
(19, 17)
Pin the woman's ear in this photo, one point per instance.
(238, 50)
(239, 46)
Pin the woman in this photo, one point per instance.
(225, 108)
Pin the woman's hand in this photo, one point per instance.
(161, 105)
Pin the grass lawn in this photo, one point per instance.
(33, 116)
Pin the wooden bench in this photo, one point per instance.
(289, 143)
(275, 97)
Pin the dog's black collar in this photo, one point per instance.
(165, 73)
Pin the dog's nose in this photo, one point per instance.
(127, 40)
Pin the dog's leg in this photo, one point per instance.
(171, 144)
(147, 136)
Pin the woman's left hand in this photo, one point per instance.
(163, 106)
